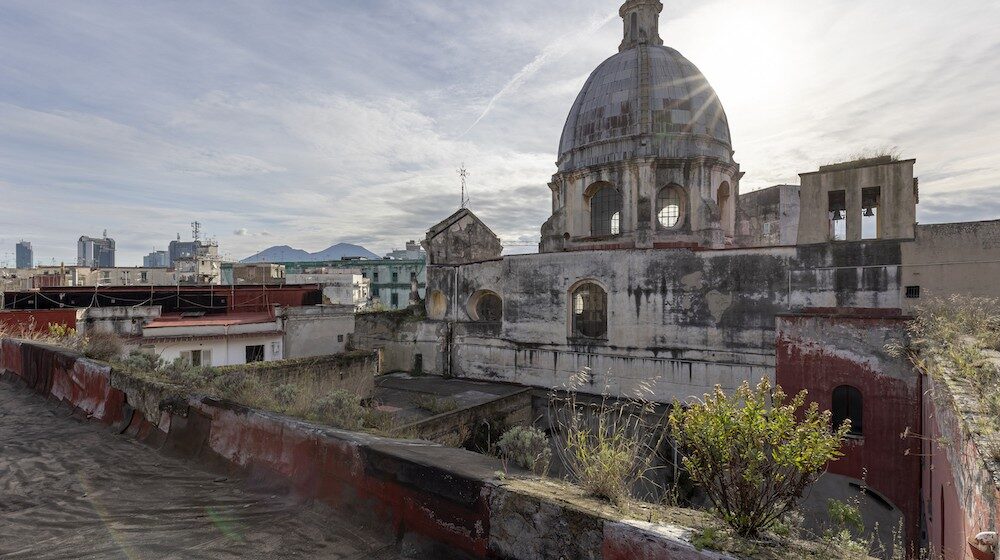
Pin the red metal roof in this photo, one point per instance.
(221, 320)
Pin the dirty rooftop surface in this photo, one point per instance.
(396, 393)
(71, 489)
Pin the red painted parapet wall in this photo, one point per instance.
(818, 353)
(961, 490)
(446, 500)
(37, 320)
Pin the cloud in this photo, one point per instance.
(554, 50)
(346, 121)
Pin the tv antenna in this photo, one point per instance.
(195, 230)
(464, 174)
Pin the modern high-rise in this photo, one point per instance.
(25, 255)
(181, 250)
(156, 259)
(96, 252)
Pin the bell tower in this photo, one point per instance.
(642, 23)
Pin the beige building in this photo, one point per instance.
(340, 286)
(866, 199)
(258, 273)
(70, 276)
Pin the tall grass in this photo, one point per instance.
(608, 444)
(98, 345)
(312, 393)
(958, 338)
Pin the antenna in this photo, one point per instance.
(464, 174)
(195, 230)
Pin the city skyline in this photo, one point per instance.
(119, 119)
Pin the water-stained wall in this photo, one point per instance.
(684, 320)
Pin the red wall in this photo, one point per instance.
(960, 495)
(819, 354)
(36, 321)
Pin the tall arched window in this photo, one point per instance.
(668, 207)
(847, 405)
(605, 211)
(590, 311)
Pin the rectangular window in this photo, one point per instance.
(413, 276)
(197, 358)
(340, 338)
(870, 200)
(838, 215)
(255, 353)
(395, 277)
(375, 291)
(395, 300)
(375, 277)
(913, 292)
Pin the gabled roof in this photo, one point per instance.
(443, 225)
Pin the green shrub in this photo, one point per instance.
(286, 393)
(103, 346)
(845, 516)
(434, 404)
(61, 331)
(339, 409)
(140, 361)
(526, 447)
(755, 453)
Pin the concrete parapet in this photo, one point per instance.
(448, 503)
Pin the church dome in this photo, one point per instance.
(646, 101)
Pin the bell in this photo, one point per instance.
(869, 212)
(838, 215)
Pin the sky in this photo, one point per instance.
(309, 123)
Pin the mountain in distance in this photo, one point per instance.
(341, 250)
(284, 253)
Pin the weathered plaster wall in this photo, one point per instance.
(769, 216)
(947, 259)
(505, 411)
(317, 330)
(121, 320)
(961, 480)
(461, 238)
(639, 181)
(819, 353)
(442, 503)
(403, 341)
(685, 319)
(897, 209)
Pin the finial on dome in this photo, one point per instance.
(642, 23)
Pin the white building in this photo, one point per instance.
(412, 252)
(220, 340)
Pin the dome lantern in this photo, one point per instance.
(642, 23)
